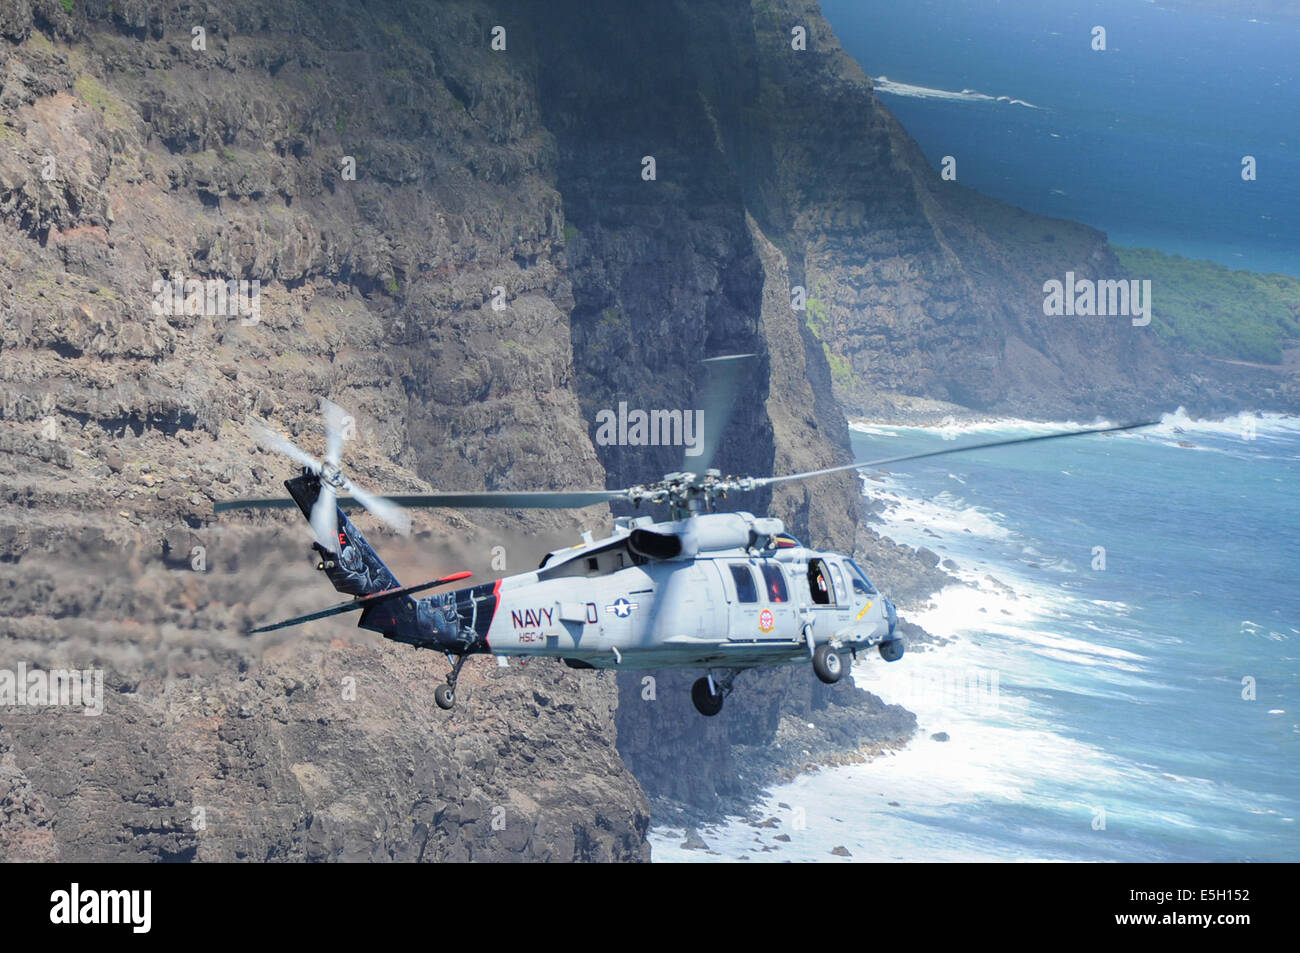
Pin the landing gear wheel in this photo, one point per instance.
(892, 650)
(827, 664)
(706, 703)
(445, 696)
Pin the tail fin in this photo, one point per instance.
(354, 569)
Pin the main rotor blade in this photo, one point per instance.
(273, 441)
(325, 518)
(509, 499)
(488, 499)
(335, 417)
(767, 481)
(270, 503)
(387, 511)
(717, 402)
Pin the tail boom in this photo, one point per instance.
(455, 621)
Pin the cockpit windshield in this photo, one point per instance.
(860, 581)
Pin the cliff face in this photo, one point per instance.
(481, 176)
(669, 270)
(122, 426)
(923, 287)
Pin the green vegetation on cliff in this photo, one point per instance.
(1209, 309)
(820, 324)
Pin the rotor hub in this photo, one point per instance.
(686, 493)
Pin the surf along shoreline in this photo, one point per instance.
(927, 587)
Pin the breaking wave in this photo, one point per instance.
(886, 85)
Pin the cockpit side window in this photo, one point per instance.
(840, 591)
(774, 580)
(744, 579)
(861, 584)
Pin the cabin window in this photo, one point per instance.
(774, 580)
(746, 591)
(592, 565)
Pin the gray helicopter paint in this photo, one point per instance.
(680, 612)
(683, 612)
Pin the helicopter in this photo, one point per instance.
(718, 591)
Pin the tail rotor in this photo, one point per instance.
(324, 513)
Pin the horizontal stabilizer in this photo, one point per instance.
(353, 605)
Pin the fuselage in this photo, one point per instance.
(607, 604)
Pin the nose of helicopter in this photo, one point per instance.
(892, 615)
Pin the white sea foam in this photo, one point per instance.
(1263, 632)
(1264, 424)
(942, 514)
(998, 598)
(1018, 630)
(1244, 426)
(1013, 426)
(886, 85)
(873, 431)
(994, 753)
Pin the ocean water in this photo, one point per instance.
(1142, 709)
(1144, 140)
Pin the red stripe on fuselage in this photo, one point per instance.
(496, 604)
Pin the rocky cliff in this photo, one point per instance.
(130, 155)
(461, 246)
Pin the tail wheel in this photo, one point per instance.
(445, 696)
(828, 665)
(892, 650)
(706, 702)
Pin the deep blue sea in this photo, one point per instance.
(1144, 140)
(1142, 708)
